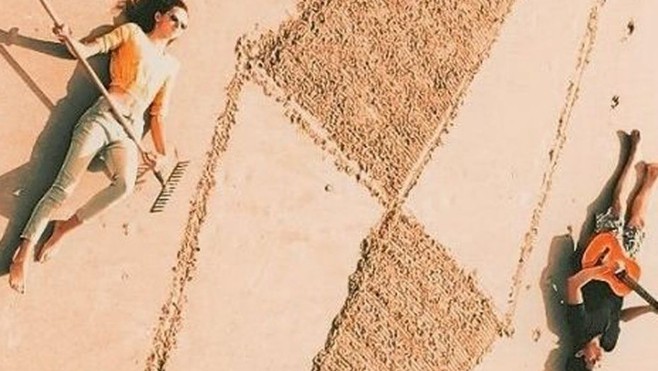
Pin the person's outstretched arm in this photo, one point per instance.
(101, 44)
(631, 313)
(157, 113)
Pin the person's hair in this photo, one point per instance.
(143, 12)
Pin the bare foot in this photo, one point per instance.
(48, 249)
(18, 271)
(634, 144)
(635, 136)
(652, 170)
(640, 168)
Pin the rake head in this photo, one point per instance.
(169, 186)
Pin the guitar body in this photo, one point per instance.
(604, 249)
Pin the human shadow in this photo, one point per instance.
(563, 260)
(553, 285)
(23, 186)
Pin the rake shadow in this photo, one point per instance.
(22, 187)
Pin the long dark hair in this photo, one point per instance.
(143, 12)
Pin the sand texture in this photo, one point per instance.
(383, 185)
(170, 320)
(381, 79)
(410, 307)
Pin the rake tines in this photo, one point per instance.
(169, 186)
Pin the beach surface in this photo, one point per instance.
(387, 187)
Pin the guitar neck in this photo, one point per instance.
(628, 281)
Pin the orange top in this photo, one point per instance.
(138, 68)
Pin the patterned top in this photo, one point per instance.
(138, 67)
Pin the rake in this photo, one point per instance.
(168, 185)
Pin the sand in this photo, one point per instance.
(410, 307)
(390, 186)
(384, 96)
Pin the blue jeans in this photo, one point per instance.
(97, 132)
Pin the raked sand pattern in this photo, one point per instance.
(411, 307)
(374, 85)
(378, 82)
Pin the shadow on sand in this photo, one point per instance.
(22, 187)
(563, 257)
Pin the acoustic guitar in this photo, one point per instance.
(604, 249)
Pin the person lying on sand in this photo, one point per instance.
(141, 73)
(594, 311)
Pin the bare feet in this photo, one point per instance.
(641, 200)
(651, 171)
(633, 140)
(18, 267)
(60, 228)
(48, 249)
(17, 273)
(635, 136)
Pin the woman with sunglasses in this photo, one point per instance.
(141, 74)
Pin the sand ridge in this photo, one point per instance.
(529, 240)
(171, 316)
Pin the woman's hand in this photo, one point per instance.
(150, 159)
(62, 32)
(65, 36)
(154, 160)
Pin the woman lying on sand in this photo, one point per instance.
(141, 74)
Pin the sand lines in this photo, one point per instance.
(530, 237)
(170, 320)
(377, 86)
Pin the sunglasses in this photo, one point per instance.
(177, 21)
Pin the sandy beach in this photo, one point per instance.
(373, 186)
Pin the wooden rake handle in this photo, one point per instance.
(99, 84)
